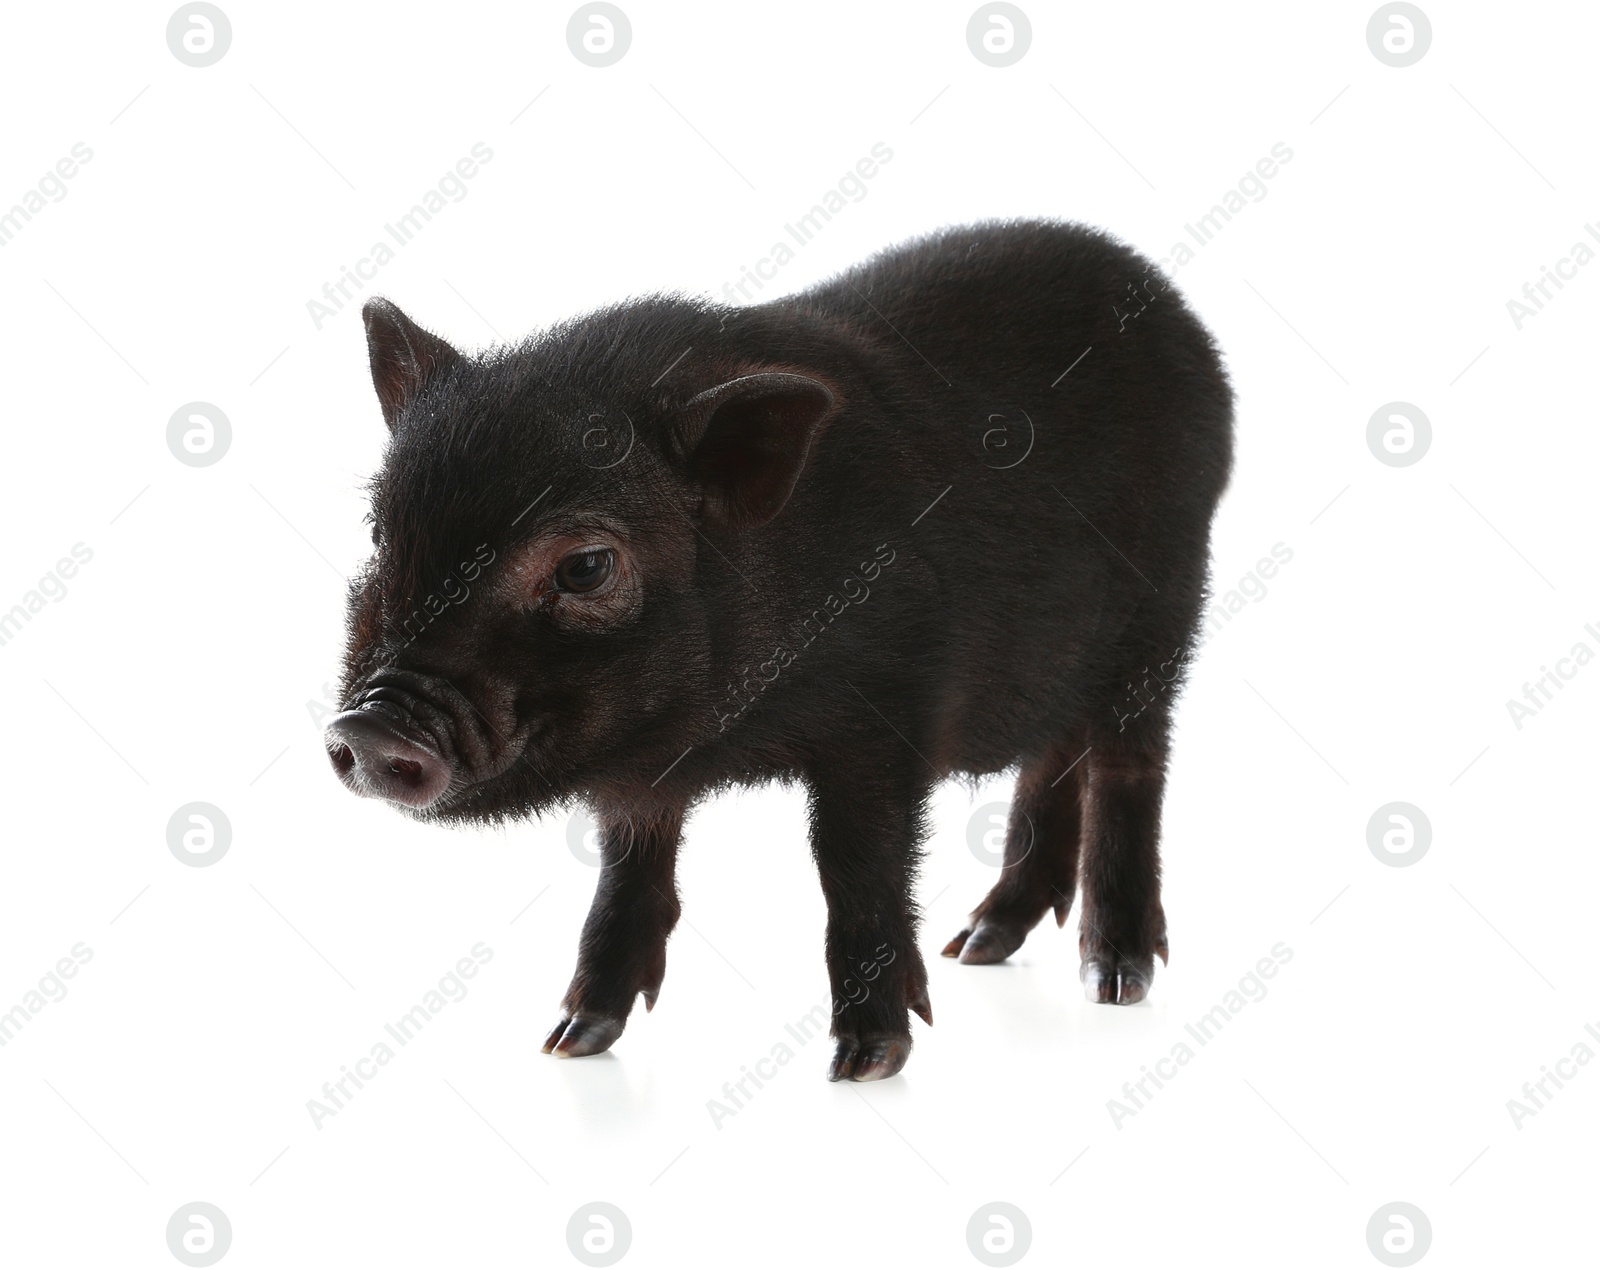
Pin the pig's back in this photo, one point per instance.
(984, 330)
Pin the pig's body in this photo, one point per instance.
(948, 513)
(1065, 557)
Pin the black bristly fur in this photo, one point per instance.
(866, 537)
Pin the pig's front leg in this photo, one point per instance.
(866, 829)
(623, 950)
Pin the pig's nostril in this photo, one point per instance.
(343, 760)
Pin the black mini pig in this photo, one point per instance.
(948, 513)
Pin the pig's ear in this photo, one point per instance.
(403, 355)
(745, 442)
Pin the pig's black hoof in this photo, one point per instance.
(578, 1035)
(869, 1059)
(1114, 981)
(990, 941)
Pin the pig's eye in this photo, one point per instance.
(585, 571)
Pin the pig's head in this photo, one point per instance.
(536, 622)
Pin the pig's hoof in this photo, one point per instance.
(989, 941)
(871, 1059)
(580, 1034)
(1114, 981)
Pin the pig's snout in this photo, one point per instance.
(376, 759)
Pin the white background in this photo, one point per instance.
(184, 659)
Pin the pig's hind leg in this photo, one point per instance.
(1040, 867)
(1123, 928)
(622, 953)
